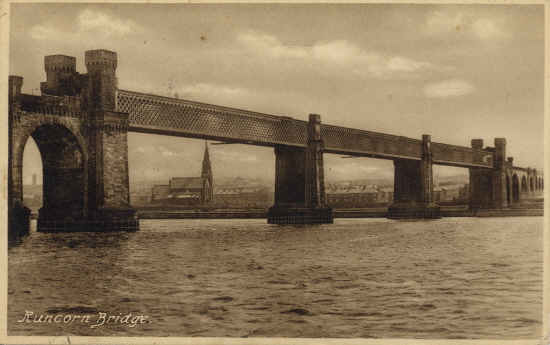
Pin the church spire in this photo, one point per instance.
(207, 177)
(206, 166)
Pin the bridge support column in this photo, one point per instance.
(18, 214)
(108, 180)
(299, 181)
(536, 186)
(98, 176)
(413, 187)
(488, 188)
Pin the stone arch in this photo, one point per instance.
(26, 132)
(523, 184)
(531, 184)
(64, 161)
(515, 189)
(508, 192)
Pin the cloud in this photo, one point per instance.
(235, 156)
(45, 33)
(485, 29)
(357, 168)
(156, 151)
(144, 149)
(444, 24)
(104, 22)
(270, 45)
(168, 153)
(336, 54)
(89, 25)
(384, 66)
(449, 88)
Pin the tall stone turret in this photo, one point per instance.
(108, 181)
(58, 68)
(101, 66)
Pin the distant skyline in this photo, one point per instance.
(456, 72)
(224, 182)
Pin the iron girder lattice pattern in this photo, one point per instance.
(348, 140)
(205, 120)
(461, 156)
(171, 116)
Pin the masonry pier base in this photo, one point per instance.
(300, 213)
(413, 187)
(414, 211)
(18, 222)
(300, 181)
(103, 220)
(490, 188)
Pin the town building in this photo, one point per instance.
(352, 197)
(258, 196)
(385, 194)
(447, 192)
(187, 191)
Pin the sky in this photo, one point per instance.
(456, 72)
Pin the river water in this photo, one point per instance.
(456, 278)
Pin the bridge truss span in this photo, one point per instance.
(459, 156)
(171, 116)
(343, 140)
(176, 117)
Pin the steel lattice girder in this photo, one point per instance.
(170, 116)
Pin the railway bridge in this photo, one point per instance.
(80, 124)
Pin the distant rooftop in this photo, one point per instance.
(186, 182)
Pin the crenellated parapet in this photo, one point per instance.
(66, 92)
(68, 106)
(101, 58)
(62, 79)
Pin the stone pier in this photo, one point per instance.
(299, 181)
(489, 188)
(413, 187)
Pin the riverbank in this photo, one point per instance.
(337, 214)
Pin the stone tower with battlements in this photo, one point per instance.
(82, 140)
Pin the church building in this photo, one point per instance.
(187, 191)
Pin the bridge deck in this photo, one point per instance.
(175, 117)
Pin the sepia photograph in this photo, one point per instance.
(204, 173)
